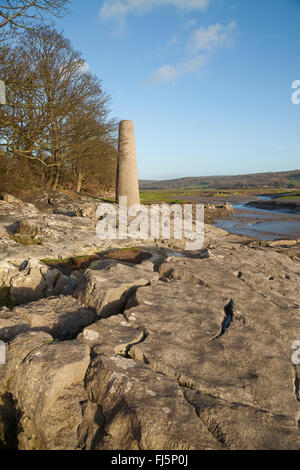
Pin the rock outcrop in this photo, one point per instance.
(51, 404)
(184, 350)
(32, 280)
(108, 285)
(63, 317)
(65, 229)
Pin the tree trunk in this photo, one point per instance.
(49, 183)
(43, 175)
(56, 181)
(79, 182)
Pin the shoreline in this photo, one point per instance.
(291, 206)
(258, 223)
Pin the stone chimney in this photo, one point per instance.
(127, 174)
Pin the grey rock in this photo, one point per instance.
(87, 210)
(63, 317)
(252, 347)
(265, 273)
(142, 409)
(17, 350)
(51, 403)
(28, 285)
(200, 359)
(112, 336)
(11, 199)
(33, 280)
(108, 288)
(11, 324)
(241, 364)
(32, 227)
(238, 426)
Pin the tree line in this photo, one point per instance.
(56, 129)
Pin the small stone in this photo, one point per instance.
(90, 335)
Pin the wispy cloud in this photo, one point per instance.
(200, 47)
(171, 43)
(193, 65)
(189, 24)
(166, 73)
(213, 37)
(120, 8)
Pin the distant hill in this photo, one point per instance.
(282, 179)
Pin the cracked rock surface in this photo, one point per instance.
(64, 228)
(196, 354)
(51, 403)
(63, 317)
(109, 284)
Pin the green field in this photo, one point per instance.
(180, 196)
(169, 197)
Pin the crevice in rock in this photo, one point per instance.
(264, 296)
(187, 383)
(130, 345)
(53, 284)
(92, 428)
(9, 422)
(28, 354)
(103, 417)
(297, 385)
(229, 402)
(11, 377)
(118, 306)
(215, 430)
(211, 424)
(228, 310)
(130, 301)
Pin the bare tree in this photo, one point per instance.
(57, 120)
(19, 15)
(93, 144)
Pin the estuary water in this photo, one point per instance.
(260, 223)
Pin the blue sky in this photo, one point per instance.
(208, 83)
